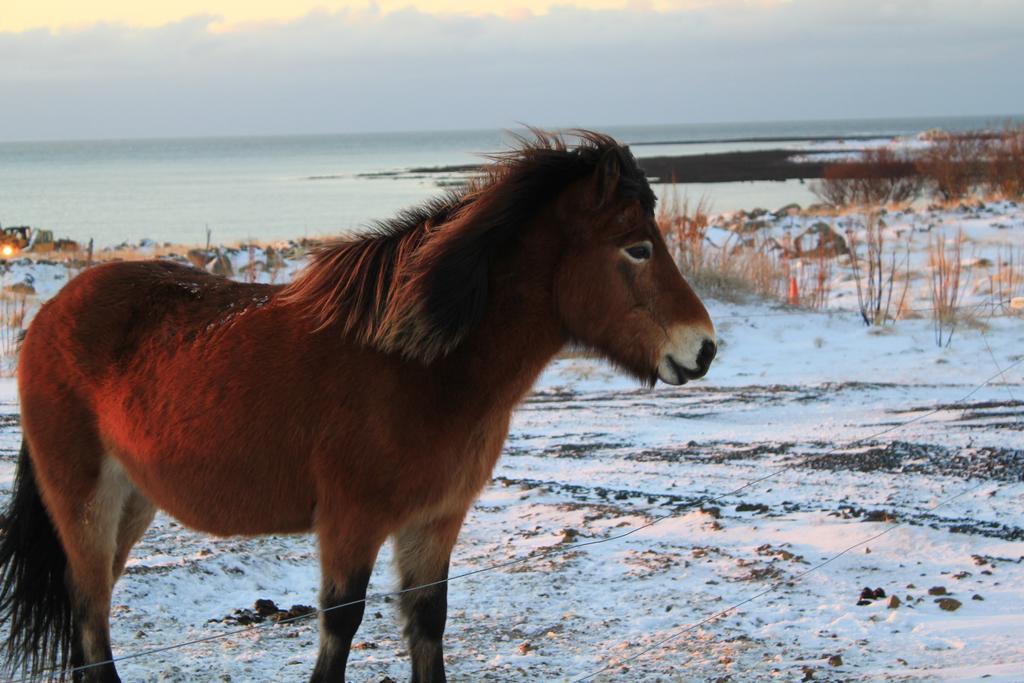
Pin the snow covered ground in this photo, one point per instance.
(834, 432)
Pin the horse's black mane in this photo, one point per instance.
(535, 170)
(415, 284)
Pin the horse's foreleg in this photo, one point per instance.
(346, 565)
(422, 552)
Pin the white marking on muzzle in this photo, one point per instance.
(679, 357)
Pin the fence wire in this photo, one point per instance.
(770, 589)
(664, 641)
(533, 557)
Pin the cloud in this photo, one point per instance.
(369, 70)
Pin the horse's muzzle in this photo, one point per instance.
(688, 358)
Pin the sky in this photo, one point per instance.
(119, 68)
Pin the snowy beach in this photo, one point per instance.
(819, 458)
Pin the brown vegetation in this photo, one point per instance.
(879, 177)
(952, 167)
(1005, 171)
(953, 164)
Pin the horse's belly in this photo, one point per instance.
(235, 502)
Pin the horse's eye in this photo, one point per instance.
(639, 252)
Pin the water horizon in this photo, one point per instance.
(277, 187)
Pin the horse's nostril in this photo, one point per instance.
(706, 355)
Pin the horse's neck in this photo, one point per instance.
(517, 337)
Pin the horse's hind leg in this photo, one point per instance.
(94, 564)
(136, 516)
(422, 552)
(86, 492)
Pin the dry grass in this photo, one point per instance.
(727, 271)
(946, 261)
(13, 308)
(740, 266)
(812, 279)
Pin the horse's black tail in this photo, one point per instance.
(35, 606)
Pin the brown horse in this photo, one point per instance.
(368, 399)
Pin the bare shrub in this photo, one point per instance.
(874, 273)
(880, 176)
(946, 263)
(1005, 170)
(1007, 283)
(954, 164)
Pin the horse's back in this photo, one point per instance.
(100, 318)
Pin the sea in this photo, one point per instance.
(231, 190)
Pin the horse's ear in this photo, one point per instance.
(606, 177)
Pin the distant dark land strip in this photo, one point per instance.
(724, 167)
(733, 167)
(786, 138)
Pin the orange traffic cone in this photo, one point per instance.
(794, 292)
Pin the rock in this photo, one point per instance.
(867, 594)
(894, 602)
(751, 507)
(835, 660)
(938, 590)
(862, 602)
(878, 516)
(23, 288)
(713, 511)
(569, 535)
(879, 593)
(820, 240)
(525, 647)
(245, 617)
(299, 611)
(265, 608)
(808, 673)
(976, 597)
(949, 604)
